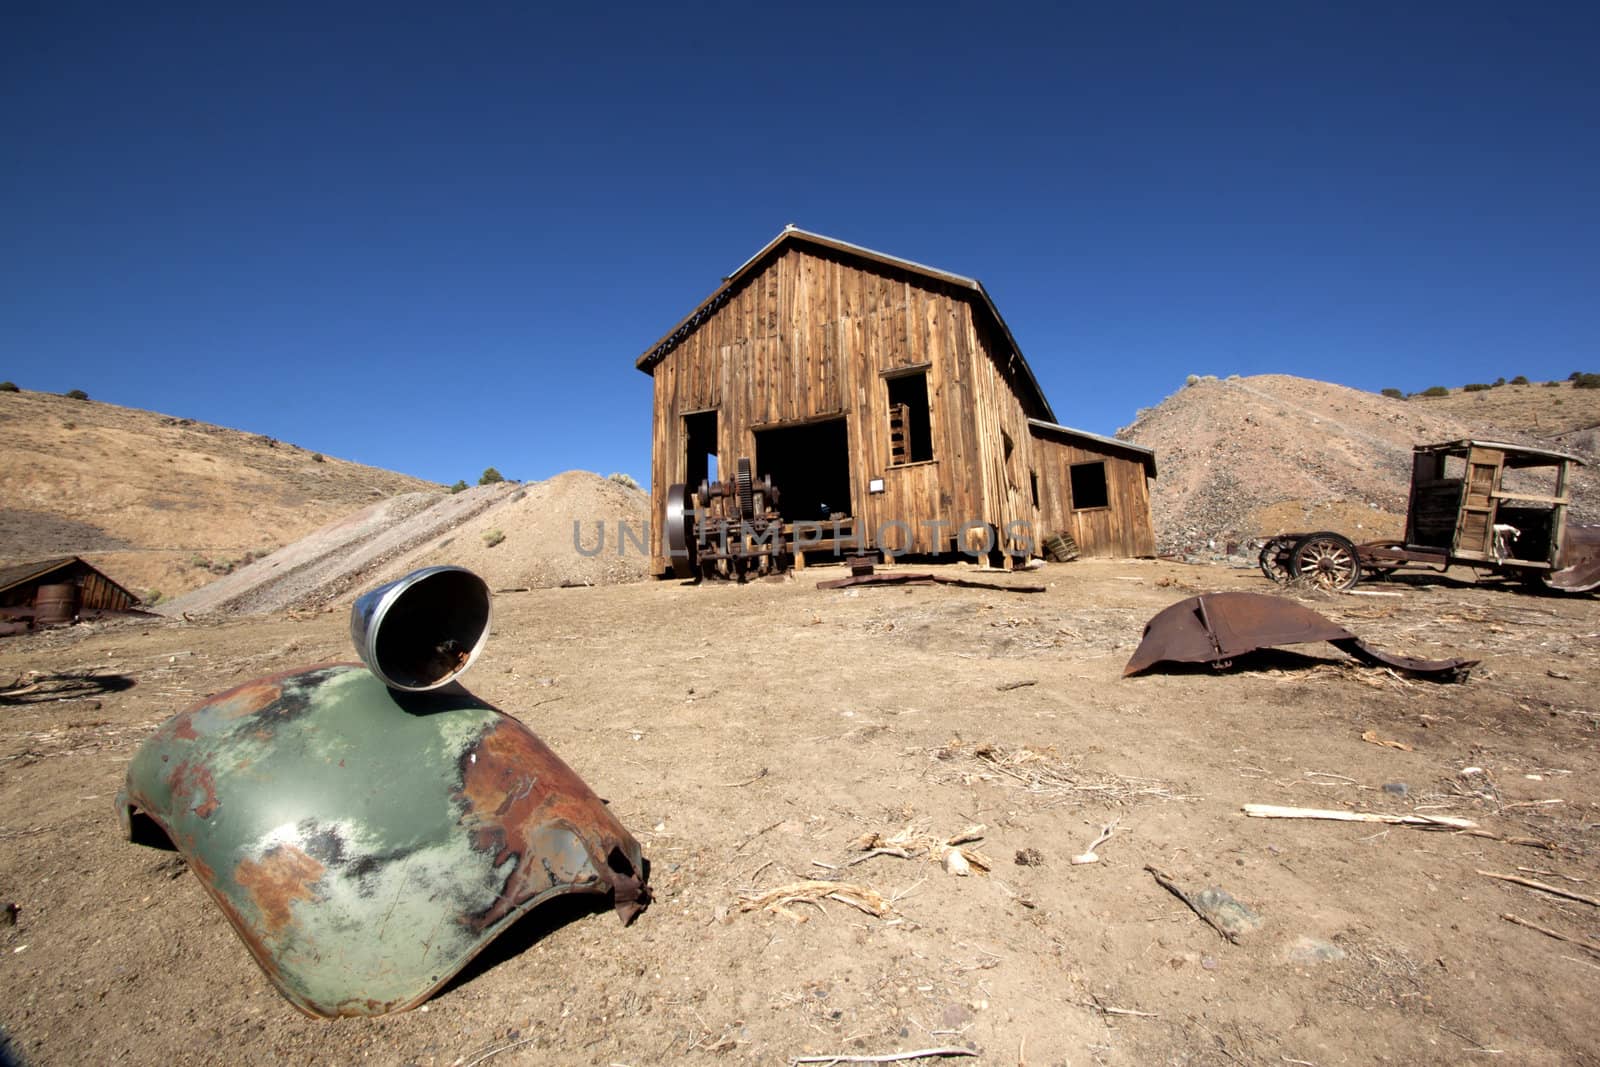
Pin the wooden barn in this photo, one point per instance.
(888, 398)
(55, 592)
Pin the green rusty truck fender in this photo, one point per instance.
(366, 843)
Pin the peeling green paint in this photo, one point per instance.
(366, 843)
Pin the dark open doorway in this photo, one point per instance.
(700, 444)
(810, 465)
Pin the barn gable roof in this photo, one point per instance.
(1138, 453)
(791, 235)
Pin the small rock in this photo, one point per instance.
(1225, 912)
(1208, 962)
(1396, 789)
(1029, 857)
(1312, 950)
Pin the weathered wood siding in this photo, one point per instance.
(810, 336)
(1122, 528)
(814, 333)
(1000, 414)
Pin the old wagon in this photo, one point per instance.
(1487, 505)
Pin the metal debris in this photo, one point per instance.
(897, 578)
(367, 841)
(1216, 627)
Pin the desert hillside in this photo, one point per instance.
(162, 503)
(1247, 457)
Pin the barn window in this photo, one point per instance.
(910, 424)
(1089, 486)
(700, 447)
(1033, 483)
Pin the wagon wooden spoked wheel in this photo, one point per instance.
(1275, 558)
(1326, 559)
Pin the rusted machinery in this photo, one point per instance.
(727, 529)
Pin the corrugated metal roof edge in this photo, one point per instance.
(18, 573)
(658, 351)
(1503, 446)
(1146, 455)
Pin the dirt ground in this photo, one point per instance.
(749, 736)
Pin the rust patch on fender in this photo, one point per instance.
(257, 695)
(246, 699)
(513, 787)
(284, 875)
(186, 778)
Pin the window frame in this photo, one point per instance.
(1105, 485)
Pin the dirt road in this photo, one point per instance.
(750, 736)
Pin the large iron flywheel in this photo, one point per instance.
(680, 531)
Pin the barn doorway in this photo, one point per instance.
(810, 465)
(700, 447)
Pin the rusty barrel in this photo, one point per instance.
(55, 605)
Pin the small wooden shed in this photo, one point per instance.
(1095, 489)
(887, 398)
(48, 589)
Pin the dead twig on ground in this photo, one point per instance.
(1509, 839)
(777, 900)
(1166, 882)
(1552, 890)
(1106, 1009)
(1553, 874)
(1371, 737)
(1546, 931)
(1042, 773)
(762, 773)
(1431, 822)
(888, 1057)
(1006, 687)
(483, 1057)
(914, 841)
(1477, 1046)
(765, 829)
(1088, 855)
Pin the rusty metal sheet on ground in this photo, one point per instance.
(367, 843)
(893, 578)
(1216, 627)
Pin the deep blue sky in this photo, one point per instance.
(435, 240)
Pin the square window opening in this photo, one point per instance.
(910, 420)
(1089, 486)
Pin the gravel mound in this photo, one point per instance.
(514, 536)
(1245, 458)
(528, 541)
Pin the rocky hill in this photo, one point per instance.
(1248, 457)
(163, 503)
